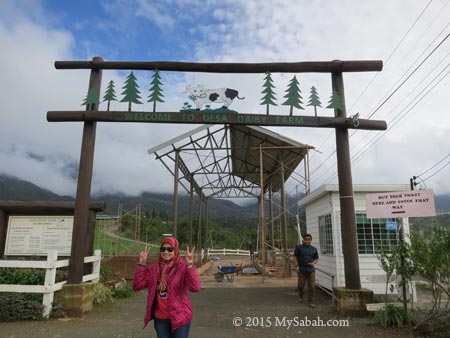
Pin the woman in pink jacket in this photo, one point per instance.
(168, 280)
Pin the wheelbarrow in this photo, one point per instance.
(227, 271)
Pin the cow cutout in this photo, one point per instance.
(201, 96)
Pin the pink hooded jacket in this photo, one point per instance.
(182, 280)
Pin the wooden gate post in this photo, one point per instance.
(81, 213)
(348, 220)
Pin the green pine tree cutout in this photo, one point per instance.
(269, 94)
(155, 90)
(131, 91)
(335, 101)
(110, 94)
(294, 97)
(90, 100)
(314, 100)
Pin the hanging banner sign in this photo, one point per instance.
(414, 203)
(36, 235)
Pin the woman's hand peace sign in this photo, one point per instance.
(143, 255)
(190, 256)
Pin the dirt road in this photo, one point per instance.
(244, 308)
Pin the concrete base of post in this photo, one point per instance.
(352, 302)
(78, 298)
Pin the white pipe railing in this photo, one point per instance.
(228, 252)
(49, 287)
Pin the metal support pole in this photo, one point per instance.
(307, 181)
(199, 230)
(348, 220)
(262, 218)
(175, 193)
(286, 260)
(81, 212)
(272, 230)
(206, 223)
(191, 213)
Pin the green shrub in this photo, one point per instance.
(58, 310)
(20, 306)
(102, 294)
(392, 315)
(123, 291)
(105, 273)
(27, 276)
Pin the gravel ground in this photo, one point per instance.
(243, 308)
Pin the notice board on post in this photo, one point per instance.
(413, 203)
(36, 235)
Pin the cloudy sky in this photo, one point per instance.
(412, 93)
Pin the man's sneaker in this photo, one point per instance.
(312, 305)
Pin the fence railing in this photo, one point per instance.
(326, 290)
(229, 252)
(50, 265)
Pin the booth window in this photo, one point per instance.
(374, 234)
(325, 235)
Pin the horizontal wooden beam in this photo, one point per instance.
(215, 118)
(335, 66)
(46, 207)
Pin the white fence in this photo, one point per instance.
(229, 252)
(49, 287)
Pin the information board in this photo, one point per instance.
(414, 203)
(36, 235)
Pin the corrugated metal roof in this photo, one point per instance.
(224, 160)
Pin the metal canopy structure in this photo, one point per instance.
(223, 161)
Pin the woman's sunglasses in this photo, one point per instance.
(166, 248)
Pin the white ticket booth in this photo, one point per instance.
(323, 222)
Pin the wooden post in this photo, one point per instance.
(175, 193)
(3, 226)
(89, 241)
(81, 216)
(348, 218)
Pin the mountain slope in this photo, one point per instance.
(14, 188)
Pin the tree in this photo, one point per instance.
(335, 101)
(131, 91)
(314, 100)
(269, 94)
(155, 90)
(90, 100)
(110, 94)
(432, 261)
(294, 97)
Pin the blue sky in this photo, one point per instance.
(401, 33)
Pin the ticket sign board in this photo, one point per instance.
(36, 235)
(414, 203)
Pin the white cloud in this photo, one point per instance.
(226, 31)
(155, 14)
